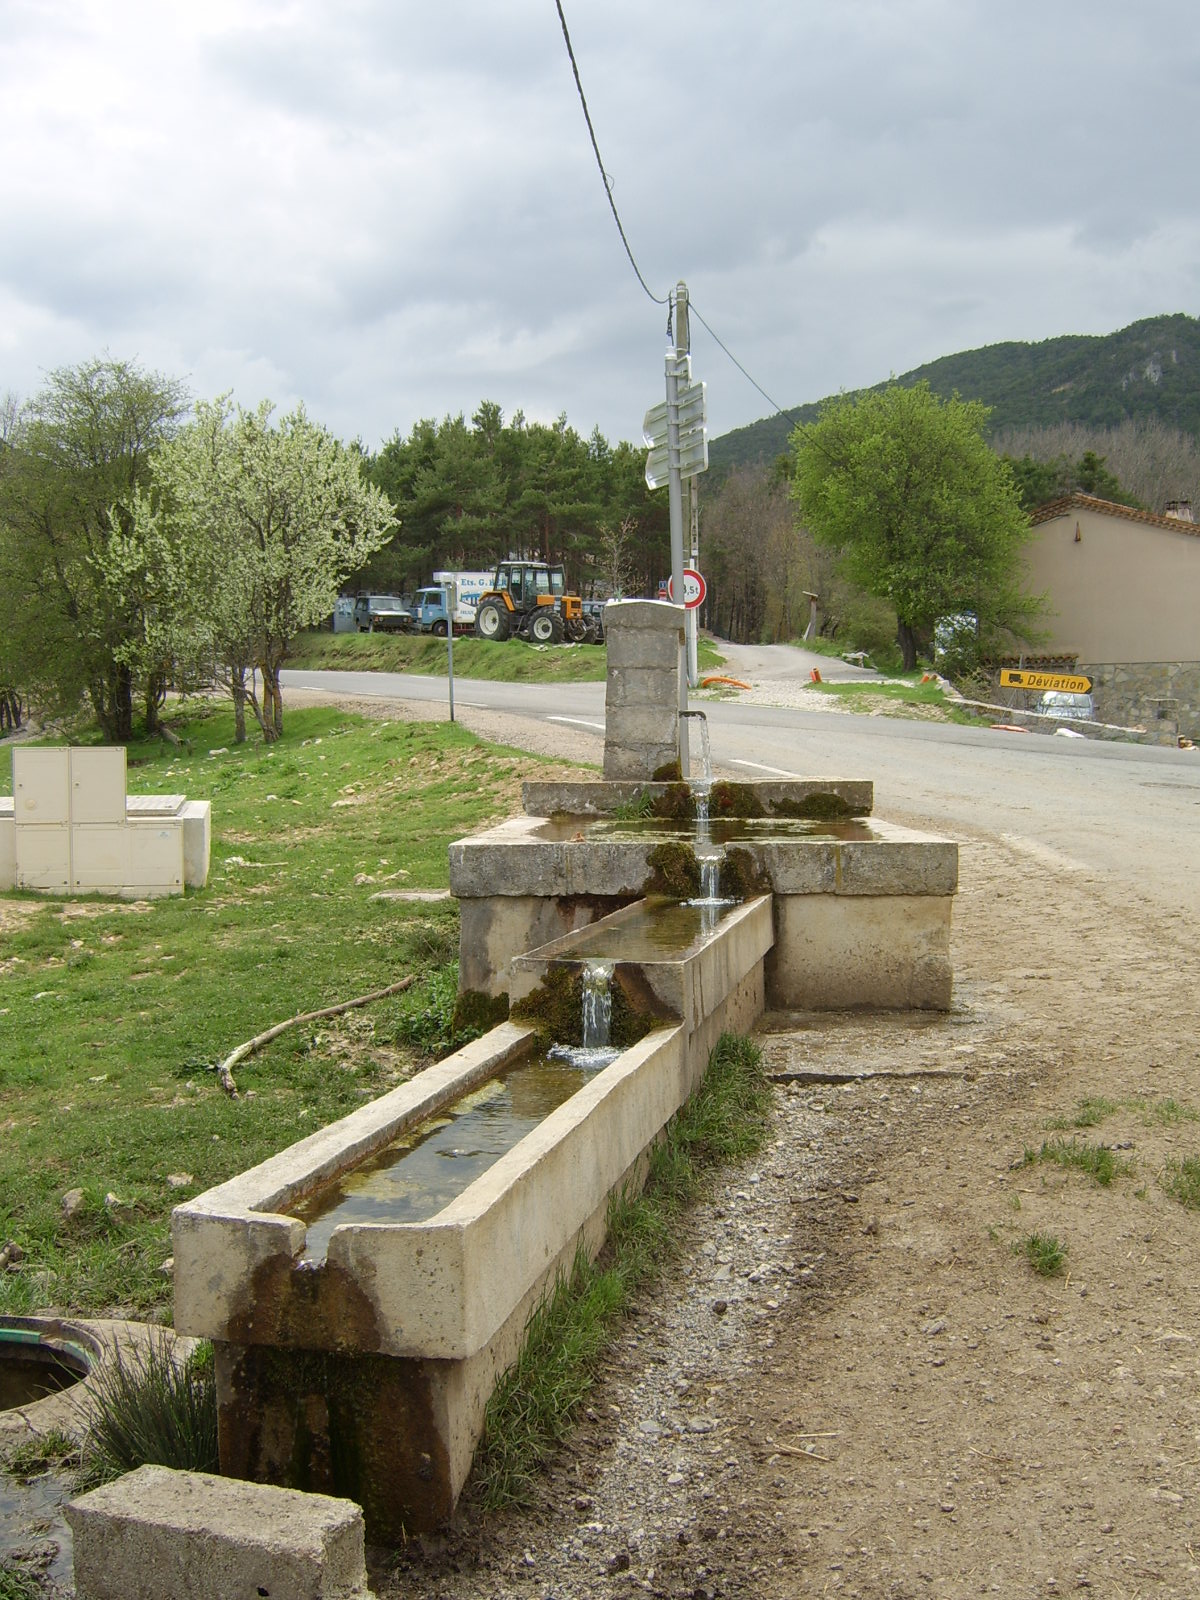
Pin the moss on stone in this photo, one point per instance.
(475, 1012)
(675, 872)
(555, 1007)
(741, 876)
(669, 772)
(822, 806)
(734, 800)
(675, 803)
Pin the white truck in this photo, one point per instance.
(429, 604)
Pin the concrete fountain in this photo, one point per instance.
(358, 1337)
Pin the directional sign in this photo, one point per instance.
(694, 589)
(693, 435)
(1064, 682)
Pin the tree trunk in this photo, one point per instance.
(237, 688)
(112, 701)
(906, 637)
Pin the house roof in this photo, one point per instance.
(1087, 502)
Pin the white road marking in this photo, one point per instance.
(758, 767)
(578, 722)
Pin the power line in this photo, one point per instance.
(659, 300)
(793, 420)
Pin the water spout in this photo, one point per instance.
(597, 1004)
(706, 777)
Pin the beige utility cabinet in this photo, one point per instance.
(72, 831)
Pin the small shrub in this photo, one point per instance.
(147, 1407)
(1046, 1253)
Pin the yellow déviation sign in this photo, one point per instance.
(1065, 682)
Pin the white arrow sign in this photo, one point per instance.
(693, 436)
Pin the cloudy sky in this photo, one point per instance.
(391, 209)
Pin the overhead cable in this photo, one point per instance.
(659, 300)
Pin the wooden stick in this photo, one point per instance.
(223, 1069)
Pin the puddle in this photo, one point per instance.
(32, 1526)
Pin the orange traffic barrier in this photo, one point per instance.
(733, 683)
(815, 675)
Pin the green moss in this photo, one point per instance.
(734, 800)
(675, 872)
(820, 807)
(476, 1012)
(669, 772)
(675, 803)
(741, 876)
(555, 1009)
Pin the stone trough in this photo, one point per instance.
(366, 1373)
(861, 907)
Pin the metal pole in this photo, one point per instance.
(677, 361)
(447, 602)
(693, 616)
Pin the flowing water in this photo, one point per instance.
(596, 1021)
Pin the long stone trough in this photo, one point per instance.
(366, 1373)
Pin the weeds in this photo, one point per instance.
(1091, 1113)
(1170, 1113)
(1097, 1160)
(41, 1452)
(146, 1407)
(533, 1406)
(1046, 1253)
(1181, 1181)
(18, 1584)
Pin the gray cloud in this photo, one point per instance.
(392, 210)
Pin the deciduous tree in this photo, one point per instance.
(73, 461)
(259, 525)
(923, 513)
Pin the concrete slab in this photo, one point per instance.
(156, 1534)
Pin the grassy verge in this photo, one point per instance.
(910, 698)
(534, 1405)
(112, 1013)
(512, 661)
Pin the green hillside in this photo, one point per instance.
(1149, 370)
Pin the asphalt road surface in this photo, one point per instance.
(1129, 812)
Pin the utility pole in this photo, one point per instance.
(677, 362)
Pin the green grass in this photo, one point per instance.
(533, 1407)
(111, 1014)
(1169, 1113)
(1046, 1253)
(18, 1584)
(1181, 1180)
(911, 696)
(511, 661)
(1097, 1160)
(1091, 1112)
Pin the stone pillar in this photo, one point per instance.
(645, 640)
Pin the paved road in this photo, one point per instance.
(1130, 812)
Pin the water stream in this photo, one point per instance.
(595, 1050)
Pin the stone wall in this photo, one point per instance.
(1161, 696)
(644, 639)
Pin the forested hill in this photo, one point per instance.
(1150, 369)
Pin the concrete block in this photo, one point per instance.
(834, 952)
(162, 1535)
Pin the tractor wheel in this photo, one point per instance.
(491, 621)
(545, 627)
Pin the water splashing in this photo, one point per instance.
(595, 1051)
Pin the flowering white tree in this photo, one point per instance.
(247, 533)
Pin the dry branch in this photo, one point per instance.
(224, 1069)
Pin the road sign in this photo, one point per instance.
(1063, 682)
(693, 435)
(694, 589)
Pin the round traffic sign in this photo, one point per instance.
(694, 588)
